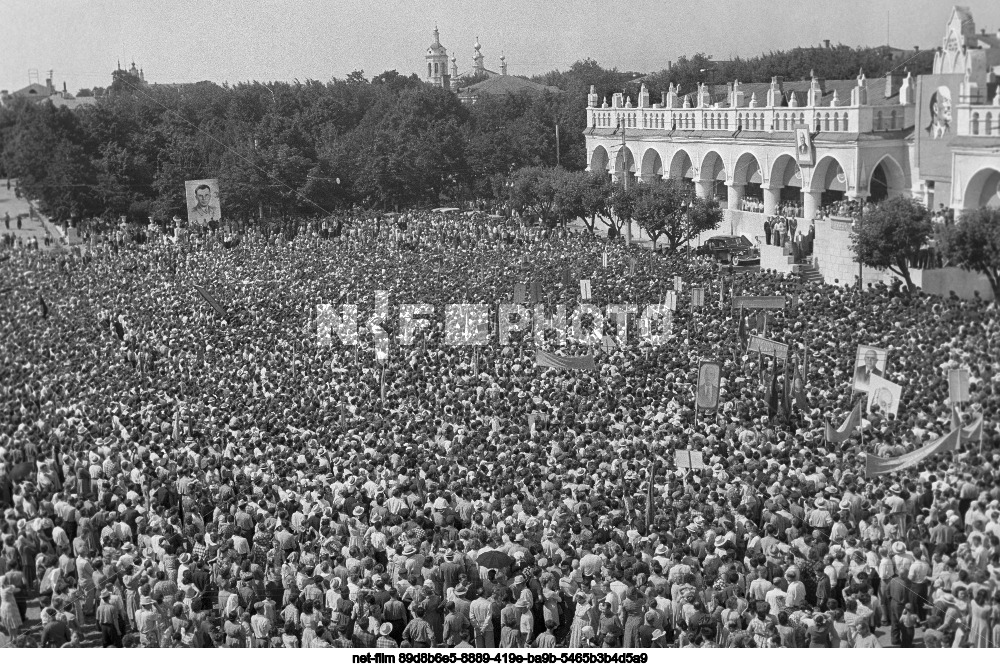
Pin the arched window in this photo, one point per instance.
(785, 119)
(836, 123)
(428, 70)
(989, 123)
(892, 119)
(802, 118)
(846, 128)
(826, 122)
(725, 122)
(975, 123)
(435, 69)
(878, 121)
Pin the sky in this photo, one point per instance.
(177, 41)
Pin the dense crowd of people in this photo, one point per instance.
(173, 476)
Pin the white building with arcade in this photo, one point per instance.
(805, 144)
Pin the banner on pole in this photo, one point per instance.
(534, 292)
(958, 385)
(216, 306)
(678, 284)
(697, 297)
(768, 347)
(760, 302)
(870, 362)
(581, 363)
(876, 465)
(688, 458)
(670, 300)
(884, 394)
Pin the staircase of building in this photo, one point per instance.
(807, 270)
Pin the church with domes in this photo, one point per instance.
(472, 84)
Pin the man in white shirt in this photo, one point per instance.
(760, 586)
(795, 596)
(775, 598)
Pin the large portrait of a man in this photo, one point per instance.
(940, 112)
(803, 146)
(709, 378)
(884, 395)
(203, 200)
(869, 363)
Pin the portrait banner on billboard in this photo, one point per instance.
(203, 200)
(803, 146)
(936, 96)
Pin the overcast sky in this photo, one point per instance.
(239, 40)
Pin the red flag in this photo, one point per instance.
(383, 384)
(786, 390)
(772, 398)
(852, 422)
(973, 431)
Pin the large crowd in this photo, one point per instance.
(176, 477)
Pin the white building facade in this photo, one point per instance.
(811, 143)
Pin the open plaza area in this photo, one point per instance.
(348, 365)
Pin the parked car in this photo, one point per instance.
(735, 250)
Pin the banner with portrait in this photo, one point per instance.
(869, 362)
(935, 130)
(203, 200)
(803, 146)
(709, 379)
(884, 395)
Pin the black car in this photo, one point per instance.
(735, 250)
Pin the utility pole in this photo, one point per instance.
(628, 222)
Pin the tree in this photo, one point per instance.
(659, 208)
(570, 194)
(620, 207)
(534, 190)
(974, 244)
(888, 236)
(670, 209)
(703, 215)
(595, 199)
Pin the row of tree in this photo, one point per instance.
(282, 148)
(664, 209)
(897, 231)
(308, 148)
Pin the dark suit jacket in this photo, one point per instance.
(862, 375)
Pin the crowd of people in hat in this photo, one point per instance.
(175, 477)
